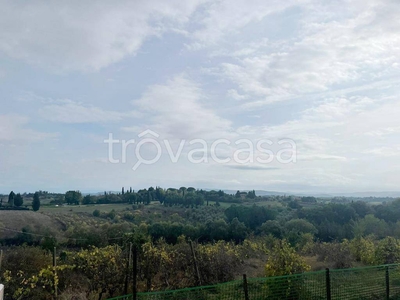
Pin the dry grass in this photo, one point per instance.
(315, 264)
(253, 267)
(17, 220)
(84, 208)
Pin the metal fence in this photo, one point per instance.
(376, 282)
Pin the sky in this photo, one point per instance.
(292, 96)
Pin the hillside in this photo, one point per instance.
(17, 220)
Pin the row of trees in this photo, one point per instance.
(16, 201)
(169, 197)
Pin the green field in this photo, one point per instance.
(84, 208)
(271, 204)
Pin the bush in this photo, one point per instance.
(337, 254)
(129, 216)
(23, 262)
(111, 215)
(284, 260)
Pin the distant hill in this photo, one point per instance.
(390, 194)
(384, 194)
(259, 192)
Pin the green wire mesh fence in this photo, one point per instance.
(376, 282)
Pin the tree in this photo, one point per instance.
(87, 199)
(299, 226)
(199, 199)
(371, 225)
(18, 200)
(271, 227)
(251, 194)
(284, 261)
(252, 216)
(36, 202)
(160, 194)
(11, 197)
(73, 197)
(363, 249)
(149, 197)
(388, 251)
(295, 228)
(237, 231)
(338, 254)
(103, 267)
(131, 198)
(362, 208)
(294, 204)
(217, 230)
(182, 190)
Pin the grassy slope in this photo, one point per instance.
(17, 220)
(84, 208)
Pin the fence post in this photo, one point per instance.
(245, 287)
(127, 273)
(134, 287)
(55, 273)
(195, 263)
(1, 258)
(328, 284)
(387, 282)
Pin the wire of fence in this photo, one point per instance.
(374, 282)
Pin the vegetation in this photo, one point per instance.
(230, 235)
(36, 202)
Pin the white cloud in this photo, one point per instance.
(85, 35)
(332, 66)
(335, 45)
(133, 129)
(383, 132)
(221, 19)
(328, 117)
(68, 111)
(232, 93)
(327, 131)
(314, 157)
(15, 128)
(338, 108)
(384, 151)
(178, 109)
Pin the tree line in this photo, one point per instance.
(16, 201)
(168, 197)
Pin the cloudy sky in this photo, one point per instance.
(196, 87)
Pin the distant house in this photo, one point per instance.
(243, 195)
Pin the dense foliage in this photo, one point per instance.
(230, 234)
